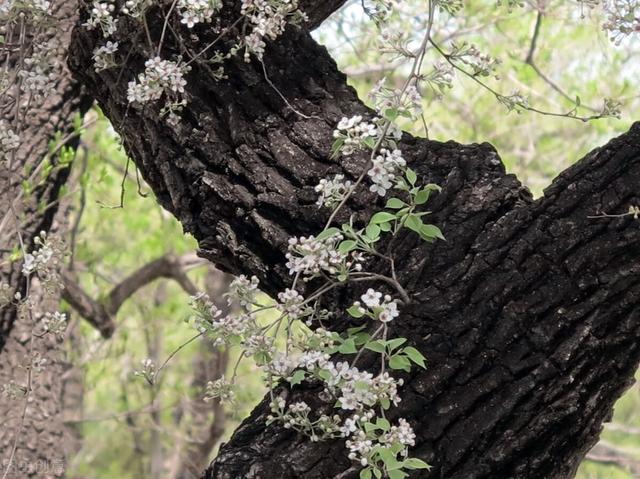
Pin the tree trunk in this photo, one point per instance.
(528, 313)
(35, 429)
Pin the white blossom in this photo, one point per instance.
(103, 56)
(332, 192)
(100, 16)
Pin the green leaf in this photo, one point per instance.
(414, 223)
(365, 474)
(385, 403)
(385, 227)
(376, 346)
(336, 147)
(377, 473)
(369, 426)
(346, 246)
(411, 176)
(415, 356)
(383, 424)
(373, 232)
(348, 347)
(391, 114)
(397, 474)
(370, 142)
(415, 463)
(422, 197)
(329, 232)
(382, 217)
(395, 203)
(431, 231)
(297, 377)
(400, 362)
(355, 311)
(395, 343)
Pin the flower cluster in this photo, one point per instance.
(135, 8)
(355, 134)
(159, 76)
(366, 438)
(197, 11)
(269, 18)
(221, 328)
(220, 389)
(103, 57)
(54, 323)
(44, 260)
(37, 8)
(298, 417)
(394, 102)
(623, 19)
(311, 256)
(243, 290)
(292, 304)
(9, 141)
(384, 168)
(13, 390)
(148, 370)
(332, 192)
(481, 64)
(358, 390)
(101, 17)
(383, 309)
(40, 71)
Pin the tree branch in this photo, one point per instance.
(605, 453)
(100, 313)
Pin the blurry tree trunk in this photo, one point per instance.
(39, 450)
(528, 314)
(204, 421)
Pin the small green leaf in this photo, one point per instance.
(376, 346)
(365, 473)
(397, 474)
(369, 142)
(385, 227)
(373, 232)
(328, 233)
(348, 347)
(346, 246)
(382, 217)
(336, 147)
(400, 362)
(391, 114)
(383, 424)
(395, 203)
(431, 231)
(415, 356)
(395, 343)
(355, 311)
(297, 377)
(414, 223)
(415, 463)
(411, 176)
(422, 197)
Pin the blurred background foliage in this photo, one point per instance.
(127, 429)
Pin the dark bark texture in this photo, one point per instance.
(528, 313)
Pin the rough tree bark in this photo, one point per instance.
(528, 313)
(40, 450)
